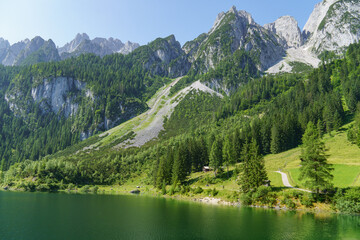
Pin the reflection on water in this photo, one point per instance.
(63, 216)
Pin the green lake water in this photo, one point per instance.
(69, 216)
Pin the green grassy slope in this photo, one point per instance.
(344, 156)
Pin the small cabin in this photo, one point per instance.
(206, 169)
(267, 183)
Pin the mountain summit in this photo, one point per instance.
(333, 25)
(38, 50)
(235, 30)
(99, 46)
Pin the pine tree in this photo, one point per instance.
(216, 155)
(179, 172)
(253, 173)
(314, 167)
(227, 154)
(275, 145)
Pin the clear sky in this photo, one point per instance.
(136, 20)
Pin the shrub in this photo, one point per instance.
(198, 190)
(94, 189)
(348, 202)
(163, 188)
(43, 188)
(214, 192)
(246, 199)
(261, 194)
(289, 203)
(307, 200)
(71, 186)
(185, 189)
(85, 189)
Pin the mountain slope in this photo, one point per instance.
(82, 44)
(235, 30)
(287, 28)
(37, 50)
(333, 25)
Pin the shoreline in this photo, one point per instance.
(204, 200)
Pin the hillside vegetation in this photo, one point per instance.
(267, 115)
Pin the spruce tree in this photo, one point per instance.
(216, 155)
(315, 169)
(179, 167)
(275, 145)
(227, 154)
(253, 173)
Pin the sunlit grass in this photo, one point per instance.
(344, 175)
(344, 155)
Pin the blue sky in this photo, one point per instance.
(136, 20)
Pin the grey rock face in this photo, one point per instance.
(316, 17)
(128, 47)
(71, 46)
(16, 54)
(287, 28)
(333, 25)
(166, 58)
(13, 52)
(53, 95)
(4, 47)
(99, 46)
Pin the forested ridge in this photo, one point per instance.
(117, 82)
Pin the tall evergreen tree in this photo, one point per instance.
(275, 145)
(253, 173)
(227, 154)
(315, 169)
(216, 157)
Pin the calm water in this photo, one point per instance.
(62, 216)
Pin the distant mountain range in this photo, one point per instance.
(38, 50)
(332, 26)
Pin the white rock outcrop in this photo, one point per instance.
(333, 25)
(99, 46)
(287, 28)
(317, 16)
(53, 94)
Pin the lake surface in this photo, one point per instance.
(69, 216)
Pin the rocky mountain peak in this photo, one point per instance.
(333, 25)
(35, 43)
(71, 46)
(81, 37)
(317, 16)
(4, 44)
(129, 47)
(286, 27)
(233, 10)
(99, 46)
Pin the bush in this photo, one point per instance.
(71, 186)
(163, 188)
(43, 188)
(214, 192)
(85, 189)
(246, 199)
(307, 200)
(185, 189)
(198, 190)
(261, 193)
(348, 202)
(289, 203)
(94, 189)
